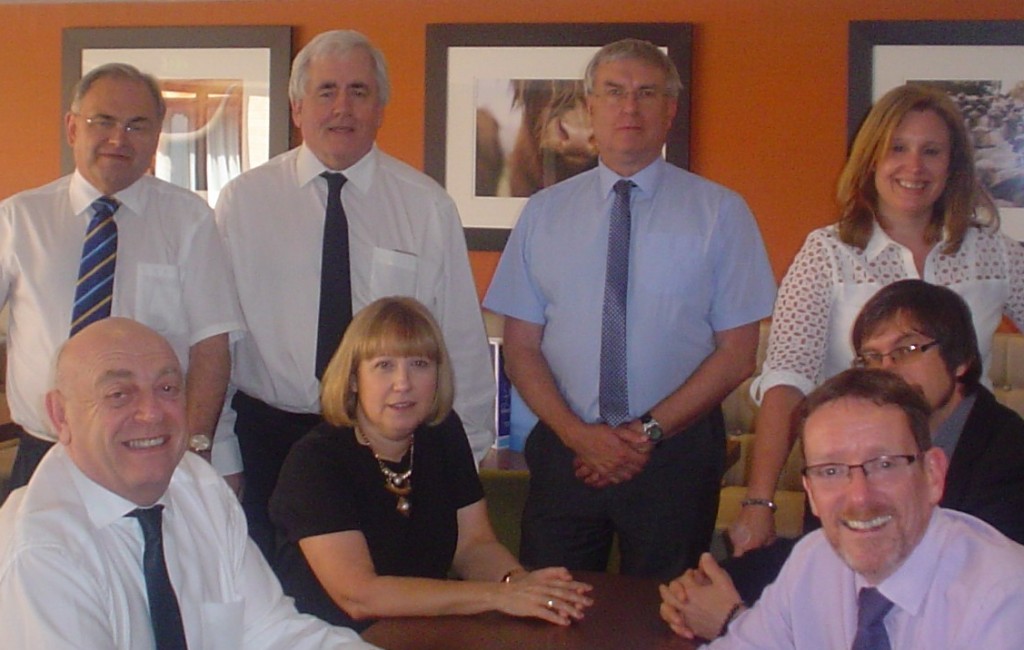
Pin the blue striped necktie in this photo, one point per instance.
(613, 392)
(164, 614)
(94, 292)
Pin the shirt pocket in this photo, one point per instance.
(223, 625)
(159, 298)
(393, 273)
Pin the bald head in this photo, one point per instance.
(119, 407)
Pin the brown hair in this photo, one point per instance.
(880, 387)
(397, 326)
(957, 208)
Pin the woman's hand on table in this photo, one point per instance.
(550, 594)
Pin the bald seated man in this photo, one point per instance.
(76, 568)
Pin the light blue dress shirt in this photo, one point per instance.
(697, 266)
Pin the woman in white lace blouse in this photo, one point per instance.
(911, 207)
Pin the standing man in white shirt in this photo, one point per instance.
(404, 237)
(168, 271)
(118, 518)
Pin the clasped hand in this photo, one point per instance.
(697, 603)
(609, 455)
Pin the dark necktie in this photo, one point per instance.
(872, 607)
(164, 614)
(94, 292)
(335, 284)
(613, 395)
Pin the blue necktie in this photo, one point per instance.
(94, 292)
(613, 395)
(335, 283)
(164, 614)
(872, 607)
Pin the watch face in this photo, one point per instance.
(199, 442)
(652, 430)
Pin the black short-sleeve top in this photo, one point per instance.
(331, 483)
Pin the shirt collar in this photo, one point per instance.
(646, 179)
(948, 433)
(308, 167)
(82, 194)
(103, 506)
(879, 241)
(908, 587)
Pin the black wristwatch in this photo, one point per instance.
(652, 428)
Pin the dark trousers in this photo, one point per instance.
(30, 451)
(664, 517)
(265, 435)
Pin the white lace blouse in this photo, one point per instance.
(830, 281)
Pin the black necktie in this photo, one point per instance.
(335, 285)
(164, 614)
(872, 607)
(94, 292)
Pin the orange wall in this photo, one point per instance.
(769, 77)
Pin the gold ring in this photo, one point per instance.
(551, 604)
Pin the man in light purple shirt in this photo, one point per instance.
(875, 480)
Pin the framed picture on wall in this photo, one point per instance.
(980, 64)
(505, 112)
(226, 90)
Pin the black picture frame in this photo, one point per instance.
(865, 36)
(442, 39)
(885, 54)
(127, 42)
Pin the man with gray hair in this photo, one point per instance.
(632, 294)
(110, 239)
(319, 232)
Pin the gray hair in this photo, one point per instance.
(124, 72)
(635, 49)
(337, 43)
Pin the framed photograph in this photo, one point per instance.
(505, 112)
(980, 64)
(226, 90)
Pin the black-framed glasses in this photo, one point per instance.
(898, 355)
(878, 469)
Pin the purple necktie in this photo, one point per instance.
(613, 393)
(872, 607)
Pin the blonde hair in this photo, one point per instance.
(954, 212)
(396, 326)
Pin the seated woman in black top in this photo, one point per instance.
(376, 505)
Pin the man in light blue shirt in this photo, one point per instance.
(698, 283)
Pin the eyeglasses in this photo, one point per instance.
(898, 355)
(877, 470)
(615, 95)
(108, 125)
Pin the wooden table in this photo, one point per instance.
(624, 616)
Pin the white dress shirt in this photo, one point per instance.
(71, 568)
(405, 238)
(171, 275)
